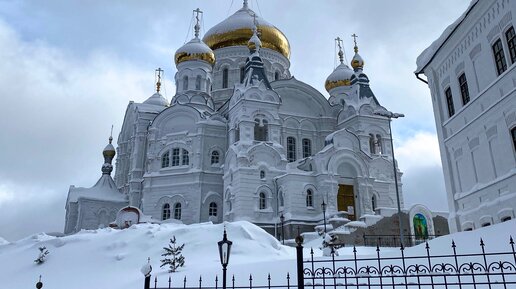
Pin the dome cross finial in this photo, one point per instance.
(197, 26)
(340, 53)
(158, 74)
(111, 135)
(355, 40)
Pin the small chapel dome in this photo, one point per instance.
(357, 62)
(195, 49)
(109, 150)
(341, 76)
(238, 28)
(157, 99)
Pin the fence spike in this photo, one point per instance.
(453, 243)
(155, 281)
(427, 246)
(288, 276)
(269, 276)
(511, 241)
(354, 249)
(250, 277)
(169, 281)
(482, 242)
(377, 248)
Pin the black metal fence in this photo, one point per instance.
(475, 270)
(491, 270)
(394, 240)
(198, 284)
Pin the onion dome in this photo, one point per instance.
(195, 49)
(357, 62)
(109, 150)
(341, 75)
(108, 153)
(237, 29)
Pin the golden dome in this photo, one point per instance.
(109, 150)
(341, 76)
(237, 29)
(195, 49)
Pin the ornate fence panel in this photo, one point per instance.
(478, 270)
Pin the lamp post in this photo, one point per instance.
(282, 219)
(323, 205)
(224, 251)
(390, 115)
(146, 271)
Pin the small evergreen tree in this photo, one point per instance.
(175, 260)
(43, 252)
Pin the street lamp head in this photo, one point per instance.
(147, 268)
(323, 205)
(282, 218)
(224, 249)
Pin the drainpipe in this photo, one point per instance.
(418, 77)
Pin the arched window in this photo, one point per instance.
(212, 209)
(373, 202)
(165, 215)
(263, 201)
(185, 82)
(486, 224)
(165, 160)
(262, 174)
(225, 80)
(260, 129)
(276, 75)
(309, 198)
(242, 74)
(175, 157)
(379, 146)
(291, 149)
(198, 82)
(281, 199)
(505, 219)
(177, 211)
(513, 134)
(371, 144)
(185, 157)
(307, 148)
(237, 133)
(215, 157)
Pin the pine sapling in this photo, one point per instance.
(173, 257)
(43, 252)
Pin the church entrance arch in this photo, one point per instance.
(346, 201)
(420, 227)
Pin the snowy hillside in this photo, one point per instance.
(108, 258)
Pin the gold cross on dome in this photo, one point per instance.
(159, 72)
(354, 38)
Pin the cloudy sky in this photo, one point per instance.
(69, 68)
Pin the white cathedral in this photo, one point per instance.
(242, 139)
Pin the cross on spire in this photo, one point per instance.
(355, 40)
(245, 4)
(158, 74)
(340, 53)
(111, 135)
(197, 26)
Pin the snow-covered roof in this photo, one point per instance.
(104, 190)
(156, 99)
(428, 54)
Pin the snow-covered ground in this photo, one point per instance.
(112, 259)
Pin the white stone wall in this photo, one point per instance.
(477, 153)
